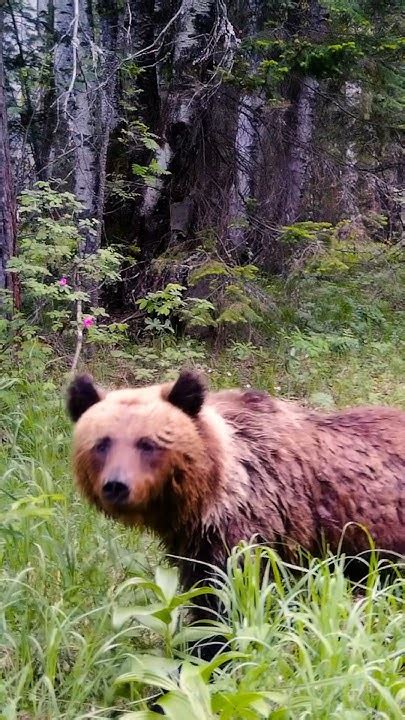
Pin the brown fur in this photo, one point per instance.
(247, 464)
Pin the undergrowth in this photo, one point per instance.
(82, 636)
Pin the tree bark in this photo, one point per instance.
(75, 86)
(8, 214)
(26, 41)
(245, 150)
(350, 175)
(203, 38)
(83, 128)
(110, 37)
(300, 149)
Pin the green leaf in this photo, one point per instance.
(196, 690)
(151, 670)
(239, 703)
(177, 707)
(168, 581)
(150, 143)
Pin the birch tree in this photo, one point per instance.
(27, 41)
(76, 144)
(245, 147)
(350, 173)
(7, 194)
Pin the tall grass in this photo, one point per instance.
(301, 647)
(60, 562)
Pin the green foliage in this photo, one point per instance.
(30, 507)
(301, 56)
(343, 256)
(149, 173)
(339, 324)
(157, 606)
(58, 652)
(238, 312)
(233, 305)
(359, 41)
(208, 269)
(199, 313)
(163, 302)
(324, 648)
(166, 304)
(305, 232)
(313, 345)
(229, 289)
(56, 277)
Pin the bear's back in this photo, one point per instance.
(306, 474)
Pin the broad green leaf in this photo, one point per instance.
(143, 615)
(168, 580)
(152, 670)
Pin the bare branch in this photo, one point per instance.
(79, 336)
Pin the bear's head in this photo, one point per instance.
(130, 445)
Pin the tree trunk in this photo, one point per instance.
(110, 40)
(203, 39)
(300, 149)
(245, 150)
(26, 41)
(63, 151)
(350, 177)
(82, 126)
(8, 224)
(75, 87)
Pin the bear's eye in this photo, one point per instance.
(146, 445)
(103, 445)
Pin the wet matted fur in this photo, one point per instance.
(205, 470)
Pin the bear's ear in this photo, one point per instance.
(81, 395)
(188, 393)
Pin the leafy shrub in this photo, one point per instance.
(164, 307)
(57, 278)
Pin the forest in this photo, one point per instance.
(214, 184)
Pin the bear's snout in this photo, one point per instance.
(115, 491)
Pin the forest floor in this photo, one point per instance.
(312, 647)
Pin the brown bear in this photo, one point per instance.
(206, 470)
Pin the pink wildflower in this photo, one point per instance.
(88, 321)
(62, 282)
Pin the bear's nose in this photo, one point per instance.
(116, 492)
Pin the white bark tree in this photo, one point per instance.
(27, 40)
(350, 175)
(7, 194)
(245, 151)
(75, 62)
(110, 40)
